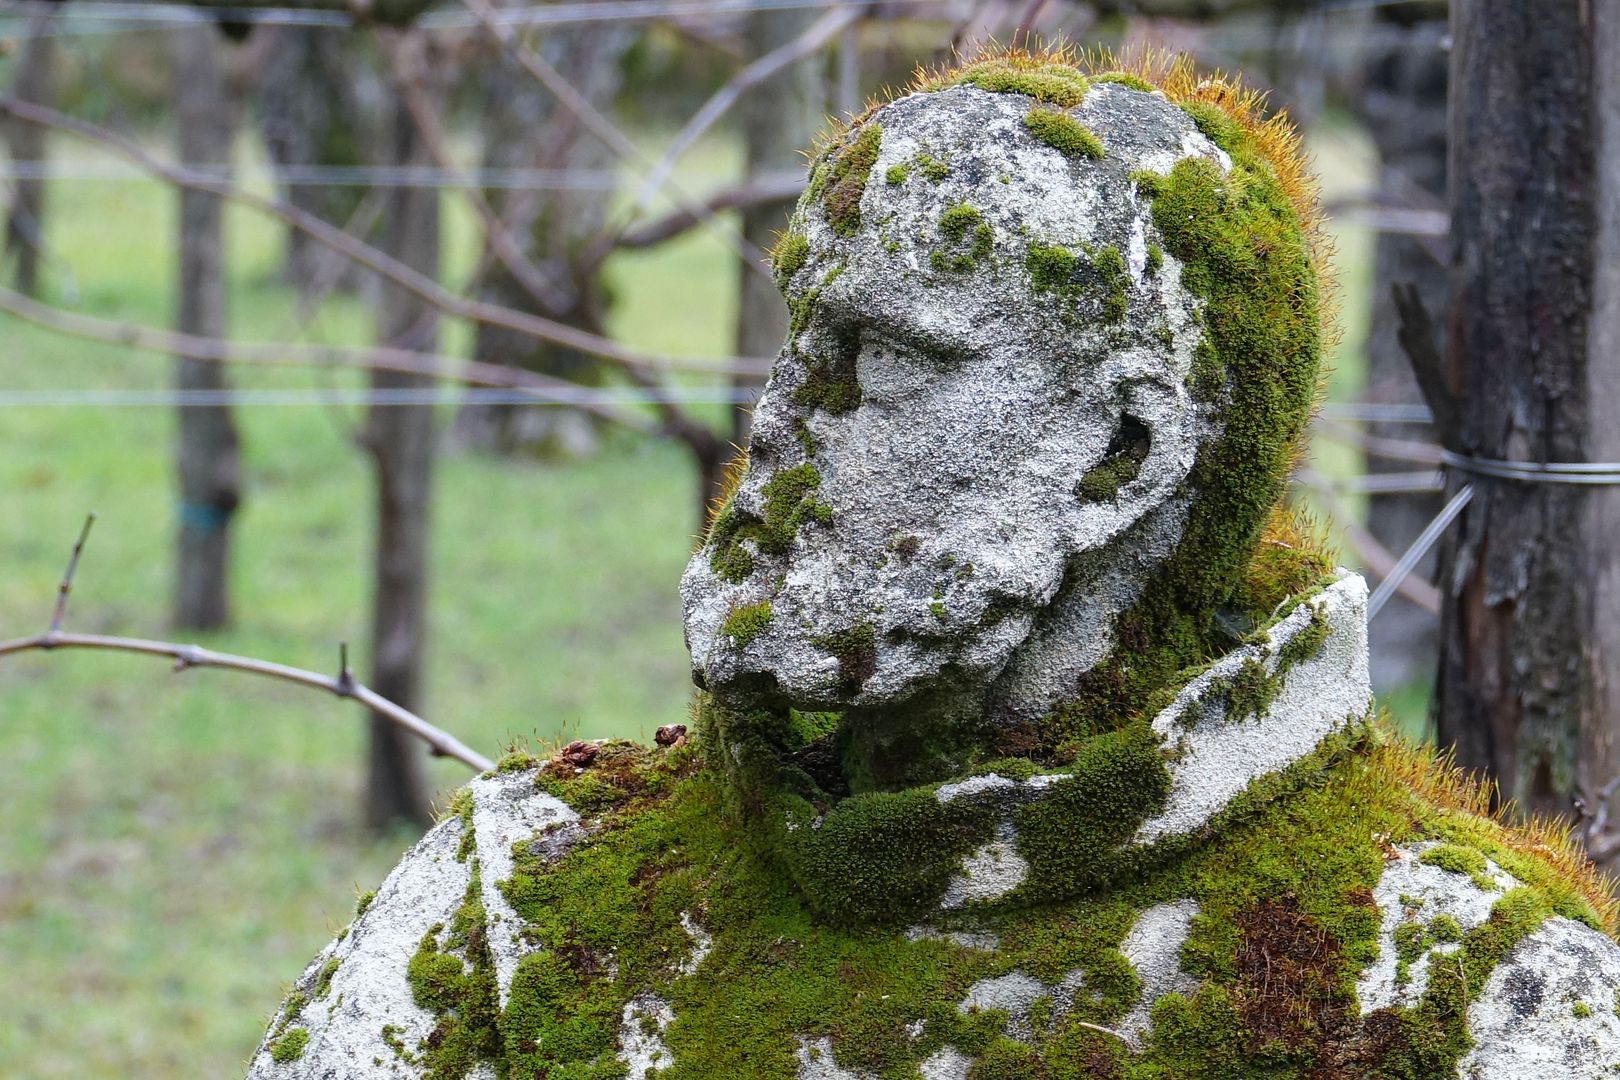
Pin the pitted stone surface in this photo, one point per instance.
(1016, 994)
(1324, 693)
(955, 532)
(641, 1036)
(1549, 1009)
(369, 989)
(507, 810)
(1153, 947)
(1412, 891)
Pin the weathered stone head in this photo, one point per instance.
(1051, 344)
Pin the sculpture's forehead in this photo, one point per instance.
(963, 201)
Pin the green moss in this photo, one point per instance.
(363, 901)
(933, 169)
(744, 624)
(461, 807)
(897, 174)
(323, 979)
(1155, 259)
(1102, 483)
(856, 650)
(1050, 267)
(1071, 837)
(1057, 83)
(1063, 133)
(789, 503)
(1125, 79)
(515, 760)
(452, 976)
(789, 256)
(1243, 254)
(884, 857)
(1460, 860)
(289, 1046)
(1110, 267)
(844, 181)
(956, 225)
(1581, 1010)
(1306, 642)
(1250, 690)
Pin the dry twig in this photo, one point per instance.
(343, 685)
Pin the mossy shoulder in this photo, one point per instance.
(1063, 133)
(789, 255)
(1286, 923)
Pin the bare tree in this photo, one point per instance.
(208, 454)
(320, 103)
(400, 439)
(1527, 685)
(778, 121)
(25, 224)
(524, 127)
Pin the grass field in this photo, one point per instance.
(176, 847)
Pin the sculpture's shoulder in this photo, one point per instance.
(607, 917)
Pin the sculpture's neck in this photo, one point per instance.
(1230, 735)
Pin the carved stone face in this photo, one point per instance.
(973, 446)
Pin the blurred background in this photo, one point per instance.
(546, 221)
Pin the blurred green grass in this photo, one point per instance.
(176, 847)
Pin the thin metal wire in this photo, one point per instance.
(1586, 473)
(75, 17)
(1420, 547)
(583, 395)
(415, 176)
(1393, 414)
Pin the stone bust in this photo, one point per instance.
(1033, 740)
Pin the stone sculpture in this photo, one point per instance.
(1033, 740)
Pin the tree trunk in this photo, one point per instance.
(1531, 611)
(400, 438)
(209, 464)
(778, 121)
(1401, 100)
(25, 230)
(320, 104)
(524, 127)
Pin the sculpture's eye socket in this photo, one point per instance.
(1127, 449)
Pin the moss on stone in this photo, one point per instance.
(856, 650)
(843, 182)
(1123, 78)
(1050, 267)
(289, 1046)
(956, 225)
(744, 624)
(789, 503)
(933, 169)
(1243, 254)
(323, 978)
(897, 174)
(363, 901)
(789, 255)
(1061, 84)
(1102, 483)
(1063, 133)
(1110, 267)
(1155, 259)
(1460, 860)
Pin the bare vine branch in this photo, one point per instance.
(343, 685)
(430, 291)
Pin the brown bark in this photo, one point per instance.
(1525, 687)
(778, 121)
(524, 127)
(401, 441)
(318, 105)
(25, 236)
(208, 455)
